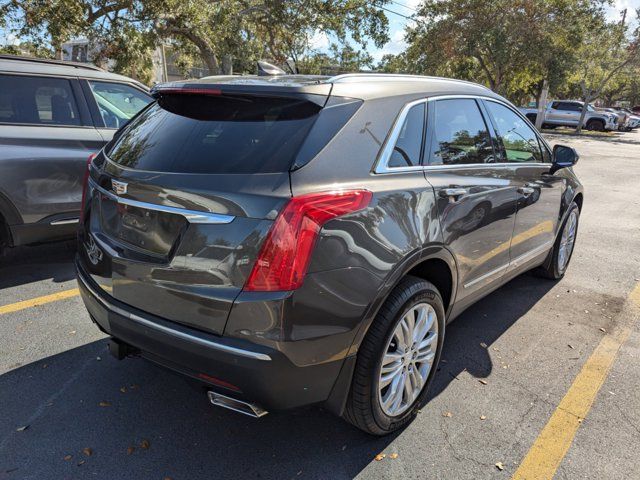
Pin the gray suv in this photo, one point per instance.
(296, 240)
(52, 116)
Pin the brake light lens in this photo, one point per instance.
(85, 180)
(284, 258)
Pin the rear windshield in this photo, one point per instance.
(215, 134)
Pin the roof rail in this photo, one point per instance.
(398, 76)
(51, 61)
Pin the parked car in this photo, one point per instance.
(52, 115)
(622, 117)
(295, 240)
(566, 113)
(633, 119)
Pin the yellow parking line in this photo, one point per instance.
(545, 455)
(14, 307)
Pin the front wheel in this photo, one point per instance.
(397, 359)
(558, 261)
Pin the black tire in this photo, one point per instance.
(550, 269)
(363, 407)
(532, 117)
(595, 125)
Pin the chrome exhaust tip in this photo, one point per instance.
(239, 406)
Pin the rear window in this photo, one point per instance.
(215, 134)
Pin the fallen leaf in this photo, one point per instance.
(484, 382)
(393, 456)
(87, 451)
(483, 417)
(483, 345)
(80, 462)
(104, 404)
(22, 429)
(98, 358)
(67, 458)
(603, 330)
(586, 311)
(570, 346)
(123, 389)
(45, 365)
(145, 444)
(72, 332)
(500, 466)
(379, 457)
(447, 414)
(344, 447)
(130, 450)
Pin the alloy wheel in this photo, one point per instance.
(408, 359)
(567, 240)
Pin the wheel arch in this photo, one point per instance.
(9, 216)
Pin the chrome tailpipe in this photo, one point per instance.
(236, 405)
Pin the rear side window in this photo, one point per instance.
(519, 140)
(216, 134)
(37, 100)
(460, 135)
(406, 152)
(118, 103)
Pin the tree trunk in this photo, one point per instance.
(227, 65)
(542, 104)
(583, 114)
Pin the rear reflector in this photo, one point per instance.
(218, 382)
(285, 255)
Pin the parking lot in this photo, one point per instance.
(520, 359)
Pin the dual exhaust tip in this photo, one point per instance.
(250, 409)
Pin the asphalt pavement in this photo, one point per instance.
(69, 410)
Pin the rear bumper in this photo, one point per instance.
(259, 374)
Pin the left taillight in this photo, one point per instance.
(284, 257)
(85, 181)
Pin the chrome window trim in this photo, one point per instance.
(381, 165)
(192, 216)
(170, 331)
(387, 149)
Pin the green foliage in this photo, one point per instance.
(223, 35)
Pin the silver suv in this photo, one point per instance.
(566, 113)
(53, 115)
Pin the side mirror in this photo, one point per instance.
(564, 157)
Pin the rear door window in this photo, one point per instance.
(460, 135)
(216, 134)
(118, 103)
(519, 140)
(37, 100)
(406, 152)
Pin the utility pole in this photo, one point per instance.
(542, 104)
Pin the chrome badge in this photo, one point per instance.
(93, 251)
(120, 188)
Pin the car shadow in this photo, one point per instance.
(142, 421)
(27, 264)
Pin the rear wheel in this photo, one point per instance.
(595, 125)
(556, 266)
(397, 359)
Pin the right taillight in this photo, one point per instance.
(284, 257)
(85, 180)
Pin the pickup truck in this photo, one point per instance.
(566, 113)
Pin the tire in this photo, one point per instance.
(532, 117)
(555, 267)
(595, 125)
(365, 407)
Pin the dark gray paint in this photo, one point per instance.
(358, 258)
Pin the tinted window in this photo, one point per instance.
(406, 152)
(221, 134)
(118, 103)
(37, 100)
(568, 106)
(519, 140)
(460, 134)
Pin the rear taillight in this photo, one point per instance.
(284, 257)
(85, 180)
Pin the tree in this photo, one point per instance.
(220, 34)
(610, 48)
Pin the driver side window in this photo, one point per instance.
(406, 152)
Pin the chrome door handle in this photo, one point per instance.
(526, 190)
(453, 193)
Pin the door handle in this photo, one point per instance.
(453, 193)
(526, 191)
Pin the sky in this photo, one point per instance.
(397, 11)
